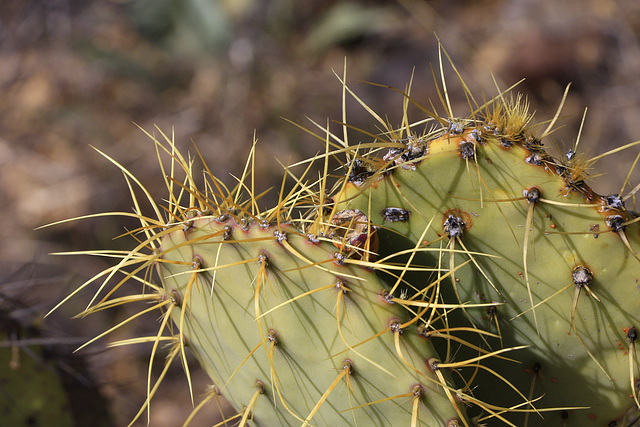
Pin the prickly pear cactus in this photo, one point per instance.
(455, 274)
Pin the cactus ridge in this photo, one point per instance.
(429, 283)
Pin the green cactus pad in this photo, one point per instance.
(566, 271)
(291, 335)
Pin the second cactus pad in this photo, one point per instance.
(563, 270)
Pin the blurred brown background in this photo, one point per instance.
(75, 73)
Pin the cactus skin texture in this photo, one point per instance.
(458, 275)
